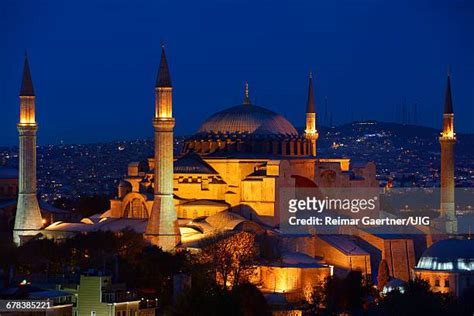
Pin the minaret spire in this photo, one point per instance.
(163, 79)
(26, 83)
(448, 99)
(246, 94)
(162, 228)
(28, 219)
(311, 133)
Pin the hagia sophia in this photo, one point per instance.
(229, 176)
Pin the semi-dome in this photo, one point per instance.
(247, 118)
(448, 255)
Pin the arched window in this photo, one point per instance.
(136, 209)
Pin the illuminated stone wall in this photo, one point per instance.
(295, 282)
(447, 282)
(334, 256)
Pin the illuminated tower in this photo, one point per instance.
(162, 229)
(28, 216)
(447, 140)
(311, 133)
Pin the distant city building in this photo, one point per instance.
(60, 303)
(97, 296)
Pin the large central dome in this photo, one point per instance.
(247, 118)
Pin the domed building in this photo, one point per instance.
(231, 175)
(237, 161)
(448, 266)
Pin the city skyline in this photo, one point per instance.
(95, 88)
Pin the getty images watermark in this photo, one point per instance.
(381, 211)
(354, 206)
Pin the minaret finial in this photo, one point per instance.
(163, 79)
(26, 83)
(310, 104)
(247, 97)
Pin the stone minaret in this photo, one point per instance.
(28, 219)
(311, 132)
(162, 229)
(447, 140)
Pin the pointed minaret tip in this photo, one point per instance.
(448, 99)
(26, 83)
(247, 96)
(163, 79)
(310, 107)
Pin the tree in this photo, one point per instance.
(417, 299)
(465, 303)
(251, 300)
(211, 299)
(153, 269)
(383, 275)
(231, 257)
(8, 258)
(317, 298)
(344, 295)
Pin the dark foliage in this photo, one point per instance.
(417, 299)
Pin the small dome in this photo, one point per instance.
(448, 255)
(247, 118)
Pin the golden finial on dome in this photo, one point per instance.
(247, 98)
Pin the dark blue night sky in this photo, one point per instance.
(94, 62)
